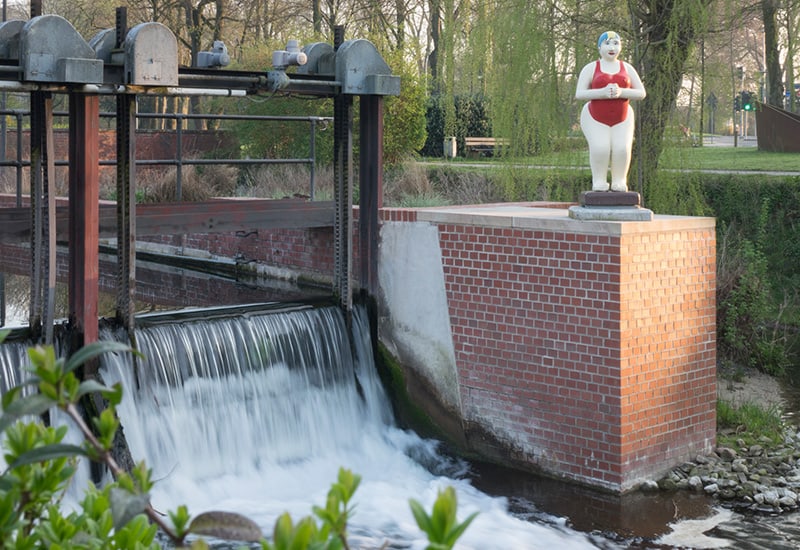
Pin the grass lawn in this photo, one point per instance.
(729, 158)
(679, 158)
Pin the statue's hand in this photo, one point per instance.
(613, 91)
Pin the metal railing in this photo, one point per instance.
(178, 160)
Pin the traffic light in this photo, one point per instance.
(737, 103)
(748, 103)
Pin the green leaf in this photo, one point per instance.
(456, 532)
(421, 516)
(95, 349)
(91, 386)
(180, 519)
(30, 405)
(282, 531)
(48, 452)
(126, 505)
(226, 525)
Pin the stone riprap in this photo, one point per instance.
(762, 477)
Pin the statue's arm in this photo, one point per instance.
(636, 91)
(584, 90)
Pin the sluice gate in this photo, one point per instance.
(45, 56)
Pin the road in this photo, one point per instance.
(727, 141)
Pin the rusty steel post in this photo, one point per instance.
(43, 223)
(343, 192)
(37, 244)
(370, 195)
(126, 195)
(84, 216)
(126, 210)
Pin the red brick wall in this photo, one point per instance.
(588, 354)
(308, 251)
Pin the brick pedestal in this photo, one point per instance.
(586, 349)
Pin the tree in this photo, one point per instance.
(667, 31)
(774, 73)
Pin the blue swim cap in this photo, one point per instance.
(605, 36)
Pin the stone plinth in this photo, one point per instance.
(610, 206)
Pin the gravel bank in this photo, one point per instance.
(762, 477)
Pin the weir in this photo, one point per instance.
(255, 413)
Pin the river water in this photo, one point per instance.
(256, 414)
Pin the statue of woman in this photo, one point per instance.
(607, 119)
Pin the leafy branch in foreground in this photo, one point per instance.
(441, 525)
(40, 467)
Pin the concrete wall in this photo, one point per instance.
(585, 349)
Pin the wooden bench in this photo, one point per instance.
(483, 146)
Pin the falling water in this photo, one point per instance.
(256, 413)
(12, 356)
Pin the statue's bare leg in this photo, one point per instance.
(598, 136)
(622, 145)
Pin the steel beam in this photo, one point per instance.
(370, 188)
(84, 216)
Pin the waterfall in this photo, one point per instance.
(13, 355)
(255, 412)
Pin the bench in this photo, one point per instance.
(483, 146)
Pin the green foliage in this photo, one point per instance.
(531, 103)
(404, 118)
(676, 194)
(471, 120)
(757, 267)
(748, 421)
(764, 210)
(521, 184)
(746, 331)
(441, 526)
(119, 516)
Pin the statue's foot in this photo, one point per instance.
(600, 186)
(619, 187)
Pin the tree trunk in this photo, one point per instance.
(433, 57)
(774, 80)
(668, 35)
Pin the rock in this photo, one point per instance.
(756, 450)
(770, 497)
(726, 453)
(711, 489)
(649, 486)
(787, 502)
(695, 483)
(739, 465)
(667, 484)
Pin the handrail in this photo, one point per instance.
(178, 160)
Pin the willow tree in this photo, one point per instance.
(667, 35)
(526, 81)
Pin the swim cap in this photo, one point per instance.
(605, 36)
